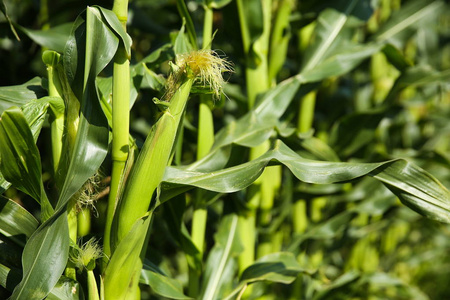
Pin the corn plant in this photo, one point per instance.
(220, 149)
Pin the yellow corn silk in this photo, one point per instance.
(205, 66)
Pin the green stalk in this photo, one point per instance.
(205, 140)
(257, 81)
(300, 217)
(279, 40)
(52, 59)
(257, 75)
(306, 112)
(149, 168)
(120, 122)
(304, 124)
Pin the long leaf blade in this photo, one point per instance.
(414, 186)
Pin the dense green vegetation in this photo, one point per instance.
(225, 149)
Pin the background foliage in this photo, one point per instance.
(376, 74)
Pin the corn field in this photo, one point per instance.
(225, 149)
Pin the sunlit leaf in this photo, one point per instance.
(415, 187)
(48, 246)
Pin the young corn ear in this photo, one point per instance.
(148, 171)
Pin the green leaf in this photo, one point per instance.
(162, 285)
(9, 278)
(18, 95)
(16, 221)
(414, 186)
(35, 112)
(44, 258)
(66, 289)
(339, 62)
(20, 160)
(396, 57)
(343, 280)
(407, 19)
(54, 38)
(252, 17)
(173, 212)
(92, 46)
(148, 78)
(182, 44)
(356, 130)
(115, 25)
(329, 24)
(227, 245)
(279, 267)
(4, 11)
(416, 77)
(324, 231)
(184, 13)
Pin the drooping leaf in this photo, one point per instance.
(54, 38)
(18, 95)
(174, 211)
(339, 62)
(414, 186)
(35, 112)
(115, 25)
